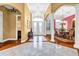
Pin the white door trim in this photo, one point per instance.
(16, 26)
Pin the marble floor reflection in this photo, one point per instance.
(49, 49)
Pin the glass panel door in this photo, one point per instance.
(35, 28)
(38, 28)
(41, 28)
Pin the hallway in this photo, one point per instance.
(34, 25)
(49, 49)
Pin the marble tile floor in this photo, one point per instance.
(49, 49)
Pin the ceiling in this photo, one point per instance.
(38, 9)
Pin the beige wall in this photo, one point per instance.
(6, 25)
(27, 18)
(1, 25)
(12, 27)
(9, 25)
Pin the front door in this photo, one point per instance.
(38, 28)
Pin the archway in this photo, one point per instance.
(63, 18)
(11, 22)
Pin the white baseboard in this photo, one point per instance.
(3, 40)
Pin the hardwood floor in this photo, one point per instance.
(9, 44)
(61, 41)
(64, 42)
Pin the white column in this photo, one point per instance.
(76, 45)
(52, 28)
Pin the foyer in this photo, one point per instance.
(46, 29)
